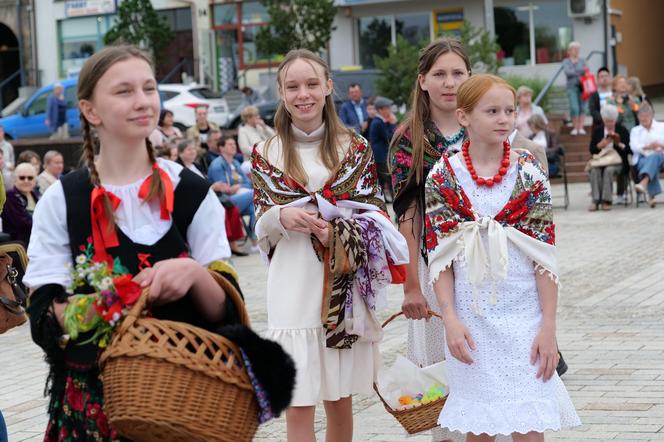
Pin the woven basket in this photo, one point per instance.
(170, 381)
(417, 419)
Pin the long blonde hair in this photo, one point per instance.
(93, 69)
(420, 103)
(334, 129)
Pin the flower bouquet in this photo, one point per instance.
(114, 293)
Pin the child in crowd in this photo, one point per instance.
(320, 210)
(490, 242)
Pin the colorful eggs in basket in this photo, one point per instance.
(434, 393)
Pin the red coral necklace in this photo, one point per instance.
(502, 171)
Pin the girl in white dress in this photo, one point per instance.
(490, 239)
(331, 248)
(431, 131)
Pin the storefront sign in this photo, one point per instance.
(80, 8)
(447, 21)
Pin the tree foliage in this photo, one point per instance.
(139, 24)
(296, 24)
(398, 71)
(482, 48)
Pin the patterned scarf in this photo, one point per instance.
(355, 180)
(353, 185)
(452, 226)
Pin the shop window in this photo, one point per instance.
(378, 32)
(550, 23)
(225, 14)
(254, 13)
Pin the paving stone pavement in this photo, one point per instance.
(610, 330)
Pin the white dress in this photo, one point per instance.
(294, 298)
(499, 393)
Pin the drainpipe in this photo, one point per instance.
(19, 31)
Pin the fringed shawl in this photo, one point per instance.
(452, 226)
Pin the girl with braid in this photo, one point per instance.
(153, 215)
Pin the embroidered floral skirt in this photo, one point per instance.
(77, 414)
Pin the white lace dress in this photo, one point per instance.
(499, 393)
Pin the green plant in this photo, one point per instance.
(139, 24)
(481, 46)
(398, 71)
(296, 24)
(535, 83)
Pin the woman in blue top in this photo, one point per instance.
(575, 67)
(226, 174)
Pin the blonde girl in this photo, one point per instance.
(490, 241)
(320, 208)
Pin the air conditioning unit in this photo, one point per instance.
(584, 8)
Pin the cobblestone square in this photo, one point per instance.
(610, 330)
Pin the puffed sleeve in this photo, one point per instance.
(207, 232)
(49, 252)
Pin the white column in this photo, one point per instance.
(489, 22)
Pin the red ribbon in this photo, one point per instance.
(166, 203)
(103, 236)
(143, 260)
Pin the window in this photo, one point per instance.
(376, 33)
(70, 97)
(236, 26)
(548, 19)
(38, 105)
(205, 93)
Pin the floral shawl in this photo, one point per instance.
(352, 257)
(452, 226)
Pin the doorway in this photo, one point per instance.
(9, 64)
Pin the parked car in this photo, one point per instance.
(28, 121)
(183, 99)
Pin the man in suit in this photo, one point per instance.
(353, 113)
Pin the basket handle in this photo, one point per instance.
(135, 311)
(396, 315)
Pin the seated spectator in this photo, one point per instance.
(525, 108)
(6, 173)
(542, 136)
(627, 105)
(7, 150)
(609, 147)
(168, 151)
(30, 156)
(165, 131)
(252, 131)
(187, 154)
(54, 164)
(647, 145)
(353, 113)
(380, 133)
(214, 138)
(227, 177)
(21, 202)
(199, 131)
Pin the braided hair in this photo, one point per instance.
(93, 69)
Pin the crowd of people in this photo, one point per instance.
(310, 196)
(626, 143)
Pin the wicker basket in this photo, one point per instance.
(417, 419)
(170, 381)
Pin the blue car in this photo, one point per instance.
(28, 122)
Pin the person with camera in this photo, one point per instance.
(628, 106)
(609, 147)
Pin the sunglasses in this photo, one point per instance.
(26, 178)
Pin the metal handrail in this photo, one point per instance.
(5, 82)
(181, 63)
(552, 80)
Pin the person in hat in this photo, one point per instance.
(380, 133)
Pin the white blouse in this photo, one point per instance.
(49, 251)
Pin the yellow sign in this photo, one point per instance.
(446, 21)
